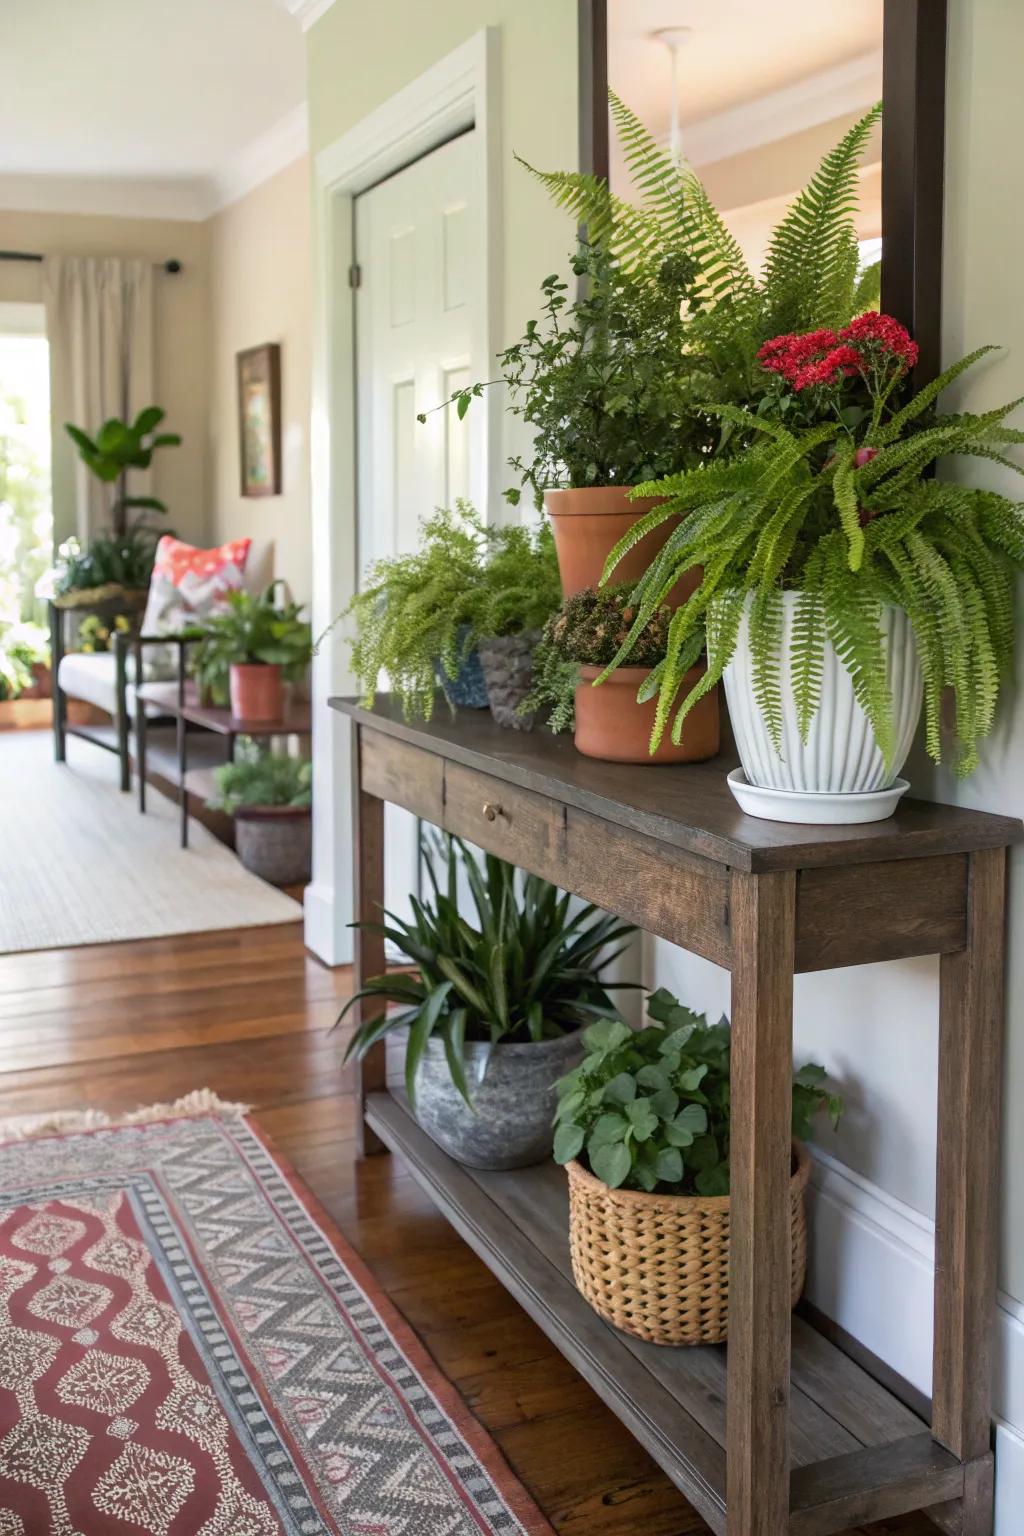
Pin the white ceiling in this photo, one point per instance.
(190, 97)
(737, 52)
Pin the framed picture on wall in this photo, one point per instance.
(259, 419)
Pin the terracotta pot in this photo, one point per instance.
(612, 726)
(257, 692)
(587, 525)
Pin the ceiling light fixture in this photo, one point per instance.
(673, 39)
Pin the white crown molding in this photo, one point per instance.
(850, 87)
(183, 198)
(307, 11)
(279, 146)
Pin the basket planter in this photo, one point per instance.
(841, 757)
(507, 662)
(612, 726)
(257, 691)
(589, 522)
(657, 1266)
(108, 600)
(510, 1125)
(275, 842)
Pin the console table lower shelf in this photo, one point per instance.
(857, 1452)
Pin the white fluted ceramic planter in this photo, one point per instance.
(838, 775)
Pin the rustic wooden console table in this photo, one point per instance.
(781, 1432)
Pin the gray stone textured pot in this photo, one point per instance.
(275, 843)
(514, 1101)
(507, 661)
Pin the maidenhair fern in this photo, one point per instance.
(830, 499)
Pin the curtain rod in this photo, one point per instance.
(171, 266)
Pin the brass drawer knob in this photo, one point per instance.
(492, 812)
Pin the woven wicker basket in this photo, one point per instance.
(657, 1266)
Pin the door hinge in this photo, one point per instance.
(355, 275)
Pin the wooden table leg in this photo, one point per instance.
(757, 1481)
(967, 1193)
(368, 902)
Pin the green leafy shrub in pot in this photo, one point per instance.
(519, 592)
(494, 1009)
(261, 633)
(269, 797)
(649, 1109)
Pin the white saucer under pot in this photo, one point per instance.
(811, 781)
(797, 805)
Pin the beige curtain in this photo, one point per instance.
(99, 322)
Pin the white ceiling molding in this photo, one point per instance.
(278, 147)
(178, 198)
(307, 11)
(850, 87)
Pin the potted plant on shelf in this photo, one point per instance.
(415, 617)
(519, 592)
(642, 1125)
(269, 797)
(250, 651)
(840, 579)
(614, 721)
(494, 1012)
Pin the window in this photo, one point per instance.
(26, 520)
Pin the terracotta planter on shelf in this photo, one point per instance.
(612, 726)
(587, 525)
(257, 692)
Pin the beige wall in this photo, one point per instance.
(180, 328)
(260, 291)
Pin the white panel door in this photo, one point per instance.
(419, 335)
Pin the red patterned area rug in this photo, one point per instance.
(188, 1349)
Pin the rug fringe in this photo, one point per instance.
(201, 1101)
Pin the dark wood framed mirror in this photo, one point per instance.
(775, 61)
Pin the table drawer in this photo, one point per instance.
(405, 775)
(516, 824)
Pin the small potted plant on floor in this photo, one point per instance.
(614, 721)
(519, 591)
(494, 1011)
(841, 579)
(642, 1125)
(269, 797)
(255, 646)
(416, 617)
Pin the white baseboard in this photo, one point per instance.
(331, 944)
(870, 1270)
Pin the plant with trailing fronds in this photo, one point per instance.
(831, 498)
(589, 630)
(531, 968)
(519, 583)
(649, 1109)
(810, 274)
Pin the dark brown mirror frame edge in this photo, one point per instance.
(913, 139)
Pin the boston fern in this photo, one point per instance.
(649, 1109)
(530, 969)
(829, 496)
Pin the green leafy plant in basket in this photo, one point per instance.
(831, 497)
(267, 779)
(649, 1109)
(267, 628)
(530, 969)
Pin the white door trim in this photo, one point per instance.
(459, 92)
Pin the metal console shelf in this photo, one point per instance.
(781, 1432)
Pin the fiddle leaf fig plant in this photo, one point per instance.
(120, 446)
(649, 1109)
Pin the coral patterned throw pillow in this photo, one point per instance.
(187, 587)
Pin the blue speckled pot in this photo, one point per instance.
(467, 689)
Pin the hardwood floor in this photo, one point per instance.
(246, 1013)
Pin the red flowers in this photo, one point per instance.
(870, 344)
